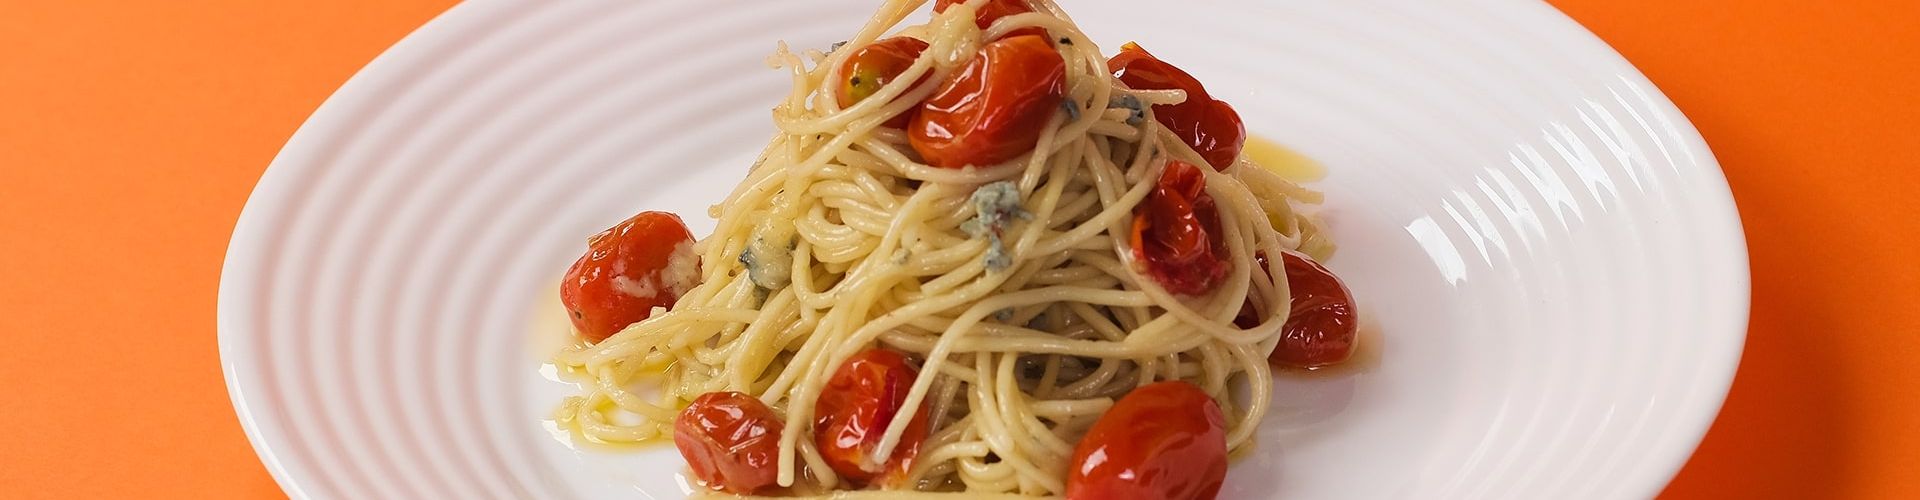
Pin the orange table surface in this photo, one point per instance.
(132, 131)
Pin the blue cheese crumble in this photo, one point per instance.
(994, 206)
(1129, 102)
(769, 257)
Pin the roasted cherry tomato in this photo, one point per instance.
(1209, 125)
(629, 269)
(853, 413)
(1321, 329)
(731, 441)
(1176, 232)
(874, 66)
(993, 11)
(993, 108)
(1167, 440)
(1321, 325)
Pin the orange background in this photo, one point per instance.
(132, 131)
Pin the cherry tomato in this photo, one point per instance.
(853, 413)
(874, 66)
(993, 108)
(1167, 440)
(645, 262)
(1176, 232)
(730, 440)
(1322, 326)
(1209, 125)
(993, 11)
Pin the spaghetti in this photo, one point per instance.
(1016, 287)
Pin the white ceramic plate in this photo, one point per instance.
(1547, 246)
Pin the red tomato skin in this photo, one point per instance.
(874, 66)
(731, 441)
(993, 108)
(1176, 233)
(632, 253)
(1167, 440)
(1323, 324)
(1140, 70)
(993, 11)
(1218, 135)
(1209, 125)
(853, 412)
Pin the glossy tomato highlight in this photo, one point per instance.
(1323, 324)
(992, 109)
(1166, 440)
(871, 67)
(853, 412)
(644, 262)
(1208, 125)
(731, 441)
